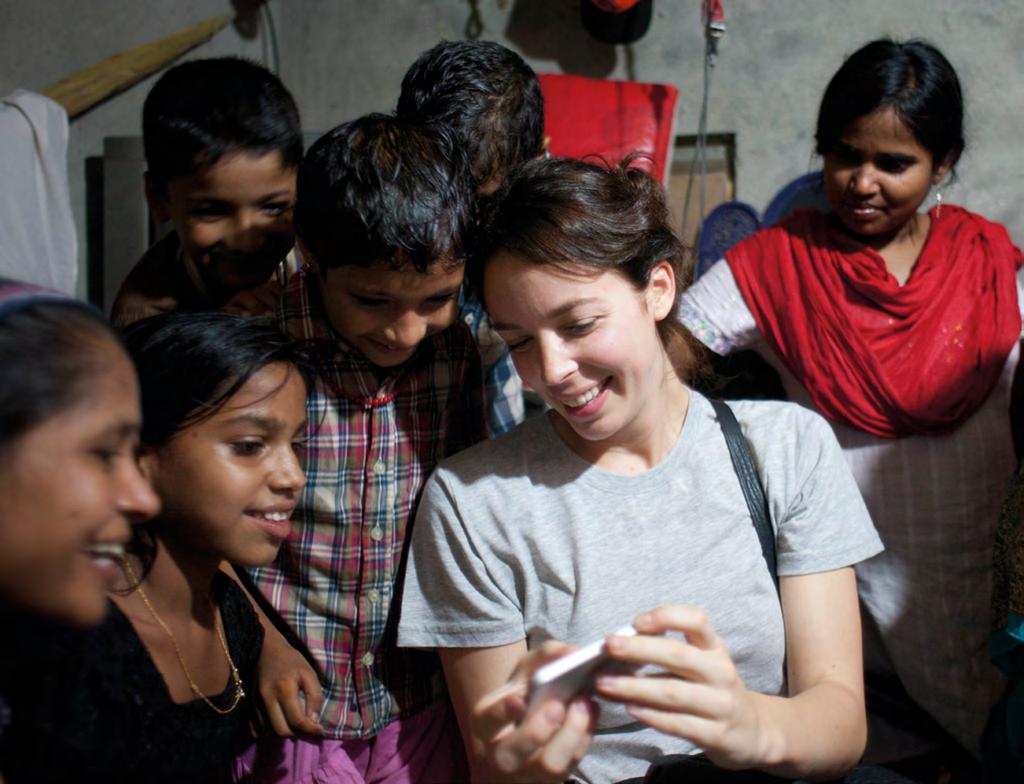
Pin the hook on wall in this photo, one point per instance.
(474, 24)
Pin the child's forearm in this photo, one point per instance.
(288, 684)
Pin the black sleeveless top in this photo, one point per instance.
(92, 706)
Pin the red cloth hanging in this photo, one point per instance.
(615, 6)
(584, 116)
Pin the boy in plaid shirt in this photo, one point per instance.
(384, 210)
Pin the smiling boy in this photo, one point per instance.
(384, 212)
(223, 144)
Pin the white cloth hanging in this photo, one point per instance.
(38, 243)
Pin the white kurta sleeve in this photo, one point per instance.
(715, 312)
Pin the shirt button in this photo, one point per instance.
(379, 467)
(367, 659)
(373, 595)
(376, 534)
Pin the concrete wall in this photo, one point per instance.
(774, 63)
(343, 58)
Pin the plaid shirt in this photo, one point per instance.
(373, 441)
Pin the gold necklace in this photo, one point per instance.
(239, 691)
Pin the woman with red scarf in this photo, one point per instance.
(902, 327)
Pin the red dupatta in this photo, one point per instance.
(887, 359)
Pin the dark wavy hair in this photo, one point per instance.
(579, 216)
(487, 95)
(190, 364)
(914, 79)
(51, 350)
(200, 110)
(381, 189)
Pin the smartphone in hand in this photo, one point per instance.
(573, 674)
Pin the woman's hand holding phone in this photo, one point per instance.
(540, 744)
(700, 696)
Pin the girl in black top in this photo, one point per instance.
(162, 690)
(69, 427)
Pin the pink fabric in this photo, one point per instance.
(423, 749)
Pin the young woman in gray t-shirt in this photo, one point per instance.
(620, 505)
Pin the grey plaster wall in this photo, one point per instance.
(774, 62)
(343, 58)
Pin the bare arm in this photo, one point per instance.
(146, 291)
(259, 301)
(819, 731)
(824, 722)
(288, 684)
(503, 743)
(130, 307)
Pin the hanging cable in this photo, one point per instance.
(275, 58)
(713, 24)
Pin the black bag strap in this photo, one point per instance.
(750, 483)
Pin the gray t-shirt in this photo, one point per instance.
(520, 538)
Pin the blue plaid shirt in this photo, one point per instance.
(502, 385)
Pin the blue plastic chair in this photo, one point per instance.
(803, 192)
(725, 225)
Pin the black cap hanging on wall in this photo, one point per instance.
(616, 21)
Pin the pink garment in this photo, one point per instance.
(423, 749)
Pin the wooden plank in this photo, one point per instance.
(84, 89)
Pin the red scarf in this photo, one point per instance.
(887, 359)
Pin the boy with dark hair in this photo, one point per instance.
(488, 96)
(223, 143)
(490, 99)
(384, 211)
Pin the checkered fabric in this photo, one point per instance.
(373, 439)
